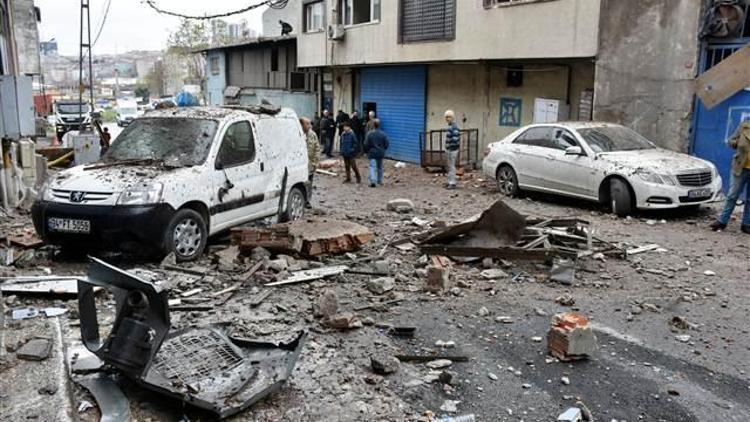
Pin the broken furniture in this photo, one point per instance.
(502, 233)
(199, 365)
(306, 237)
(570, 338)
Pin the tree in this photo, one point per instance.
(189, 37)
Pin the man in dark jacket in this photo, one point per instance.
(349, 150)
(358, 128)
(452, 146)
(328, 131)
(375, 145)
(740, 180)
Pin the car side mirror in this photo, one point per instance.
(574, 150)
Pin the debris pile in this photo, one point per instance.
(570, 338)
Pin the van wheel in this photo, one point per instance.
(507, 181)
(295, 205)
(186, 235)
(620, 197)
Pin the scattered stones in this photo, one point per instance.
(448, 377)
(384, 364)
(570, 337)
(343, 321)
(565, 380)
(445, 344)
(49, 389)
(381, 285)
(437, 279)
(492, 376)
(400, 205)
(709, 273)
(35, 349)
(573, 414)
(483, 311)
(450, 406)
(439, 364)
(327, 304)
(488, 263)
(565, 300)
(540, 312)
(536, 339)
(493, 274)
(683, 338)
(526, 386)
(504, 320)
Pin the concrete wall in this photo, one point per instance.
(304, 104)
(647, 61)
(546, 29)
(26, 33)
(473, 92)
(215, 83)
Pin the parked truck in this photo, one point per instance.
(71, 115)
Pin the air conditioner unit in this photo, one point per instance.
(336, 32)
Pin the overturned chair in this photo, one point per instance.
(202, 366)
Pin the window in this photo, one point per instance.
(314, 16)
(427, 20)
(563, 139)
(275, 59)
(297, 81)
(214, 63)
(354, 12)
(238, 146)
(537, 137)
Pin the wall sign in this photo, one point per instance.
(510, 111)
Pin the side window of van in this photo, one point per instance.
(238, 145)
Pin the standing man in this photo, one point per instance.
(313, 154)
(370, 121)
(349, 150)
(452, 146)
(740, 181)
(375, 146)
(328, 130)
(105, 141)
(358, 128)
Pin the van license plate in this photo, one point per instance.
(700, 193)
(69, 225)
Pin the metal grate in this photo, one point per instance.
(195, 356)
(695, 179)
(427, 20)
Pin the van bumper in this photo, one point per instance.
(111, 227)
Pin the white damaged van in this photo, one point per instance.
(175, 177)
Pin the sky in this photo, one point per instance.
(131, 24)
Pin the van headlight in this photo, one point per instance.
(659, 179)
(142, 195)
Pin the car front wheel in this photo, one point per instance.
(620, 197)
(186, 235)
(507, 181)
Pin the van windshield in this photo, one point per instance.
(69, 108)
(173, 142)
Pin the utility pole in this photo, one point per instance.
(85, 46)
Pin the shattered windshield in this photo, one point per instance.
(614, 138)
(174, 142)
(72, 108)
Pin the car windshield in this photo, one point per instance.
(173, 142)
(127, 110)
(72, 108)
(614, 138)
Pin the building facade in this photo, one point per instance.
(261, 69)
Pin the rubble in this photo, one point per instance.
(400, 205)
(570, 337)
(573, 414)
(384, 364)
(381, 285)
(343, 321)
(310, 275)
(305, 237)
(35, 349)
(112, 403)
(327, 304)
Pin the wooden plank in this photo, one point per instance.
(725, 79)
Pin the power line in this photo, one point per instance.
(274, 4)
(104, 20)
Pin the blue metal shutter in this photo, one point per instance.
(399, 93)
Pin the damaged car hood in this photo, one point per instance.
(659, 160)
(117, 178)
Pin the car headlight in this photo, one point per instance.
(659, 179)
(142, 195)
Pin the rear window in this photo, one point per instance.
(174, 142)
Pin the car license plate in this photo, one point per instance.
(700, 193)
(69, 225)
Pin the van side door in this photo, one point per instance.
(238, 178)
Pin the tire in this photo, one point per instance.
(507, 181)
(186, 235)
(620, 197)
(295, 205)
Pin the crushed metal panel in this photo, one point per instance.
(725, 79)
(113, 404)
(199, 365)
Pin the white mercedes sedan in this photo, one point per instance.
(600, 162)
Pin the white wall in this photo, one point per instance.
(545, 29)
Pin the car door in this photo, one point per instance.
(573, 173)
(238, 178)
(532, 149)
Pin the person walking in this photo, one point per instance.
(376, 144)
(313, 154)
(328, 129)
(105, 141)
(349, 150)
(740, 180)
(452, 146)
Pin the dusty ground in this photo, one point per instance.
(640, 372)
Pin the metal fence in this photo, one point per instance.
(432, 148)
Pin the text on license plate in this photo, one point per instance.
(700, 193)
(69, 225)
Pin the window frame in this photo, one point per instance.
(307, 7)
(214, 60)
(345, 15)
(444, 38)
(223, 140)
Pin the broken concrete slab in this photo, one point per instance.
(563, 271)
(383, 364)
(305, 237)
(381, 285)
(343, 321)
(570, 337)
(35, 349)
(400, 205)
